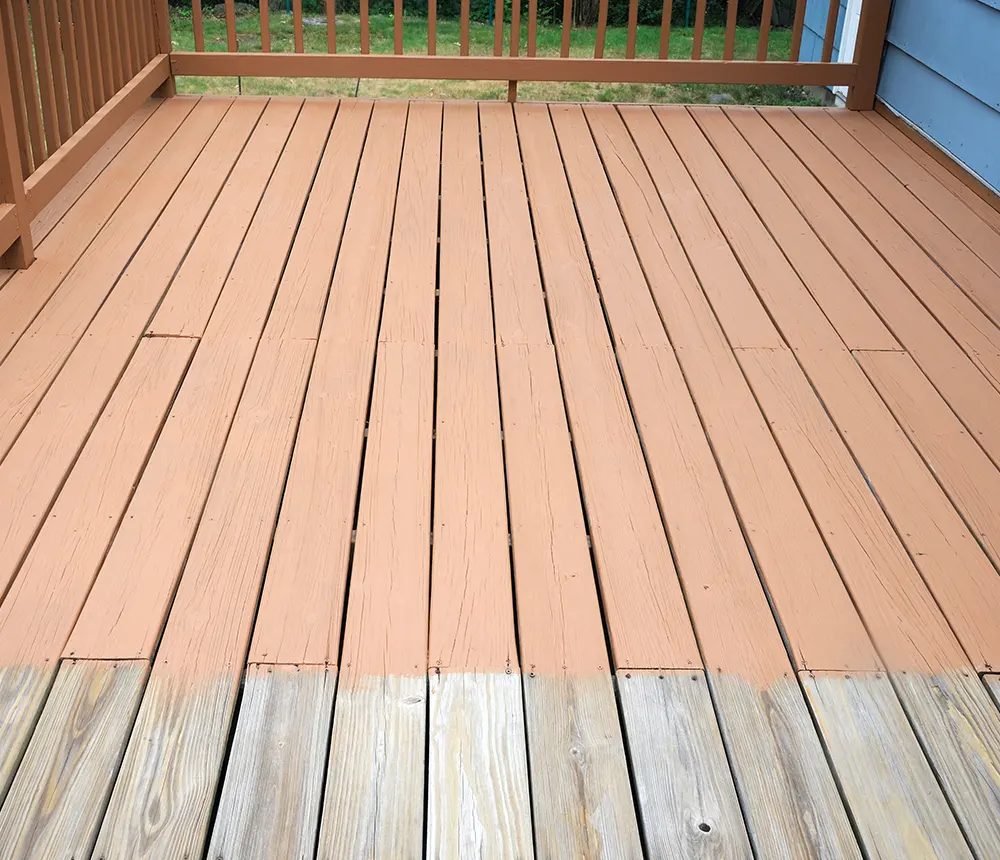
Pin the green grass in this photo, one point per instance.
(480, 43)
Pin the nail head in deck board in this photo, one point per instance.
(302, 604)
(39, 611)
(961, 466)
(472, 609)
(687, 799)
(188, 304)
(905, 622)
(843, 304)
(955, 214)
(959, 729)
(819, 620)
(125, 611)
(972, 275)
(374, 801)
(477, 778)
(31, 365)
(55, 804)
(581, 794)
(162, 800)
(790, 799)
(270, 802)
(978, 336)
(27, 292)
(898, 806)
(23, 690)
(647, 618)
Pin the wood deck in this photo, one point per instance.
(404, 480)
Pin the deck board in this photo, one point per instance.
(671, 453)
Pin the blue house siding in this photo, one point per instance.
(814, 27)
(942, 73)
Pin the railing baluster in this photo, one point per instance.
(602, 29)
(231, 44)
(98, 57)
(147, 30)
(105, 51)
(162, 41)
(17, 92)
(431, 28)
(297, 26)
(797, 26)
(831, 30)
(532, 26)
(21, 253)
(43, 64)
(53, 38)
(83, 57)
(73, 91)
(463, 38)
(728, 49)
(498, 28)
(198, 23)
(331, 26)
(567, 23)
(265, 27)
(125, 41)
(365, 29)
(29, 84)
(765, 30)
(397, 26)
(699, 30)
(633, 27)
(668, 11)
(515, 44)
(117, 66)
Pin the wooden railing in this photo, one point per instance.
(74, 70)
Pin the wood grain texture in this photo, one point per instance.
(959, 730)
(162, 799)
(950, 209)
(973, 330)
(23, 690)
(188, 304)
(26, 293)
(898, 807)
(581, 794)
(472, 608)
(975, 277)
(642, 599)
(731, 615)
(125, 611)
(992, 683)
(55, 804)
(687, 798)
(38, 613)
(819, 621)
(845, 307)
(790, 799)
(302, 604)
(963, 468)
(477, 777)
(374, 804)
(922, 330)
(270, 801)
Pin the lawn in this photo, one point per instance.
(480, 42)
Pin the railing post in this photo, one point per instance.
(868, 53)
(21, 253)
(161, 30)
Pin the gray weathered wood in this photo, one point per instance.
(959, 729)
(789, 795)
(898, 806)
(687, 798)
(162, 801)
(374, 802)
(270, 800)
(22, 694)
(56, 801)
(478, 804)
(993, 685)
(579, 774)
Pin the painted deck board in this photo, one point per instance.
(671, 405)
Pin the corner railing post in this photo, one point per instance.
(161, 28)
(868, 53)
(21, 253)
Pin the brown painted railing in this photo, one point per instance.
(73, 70)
